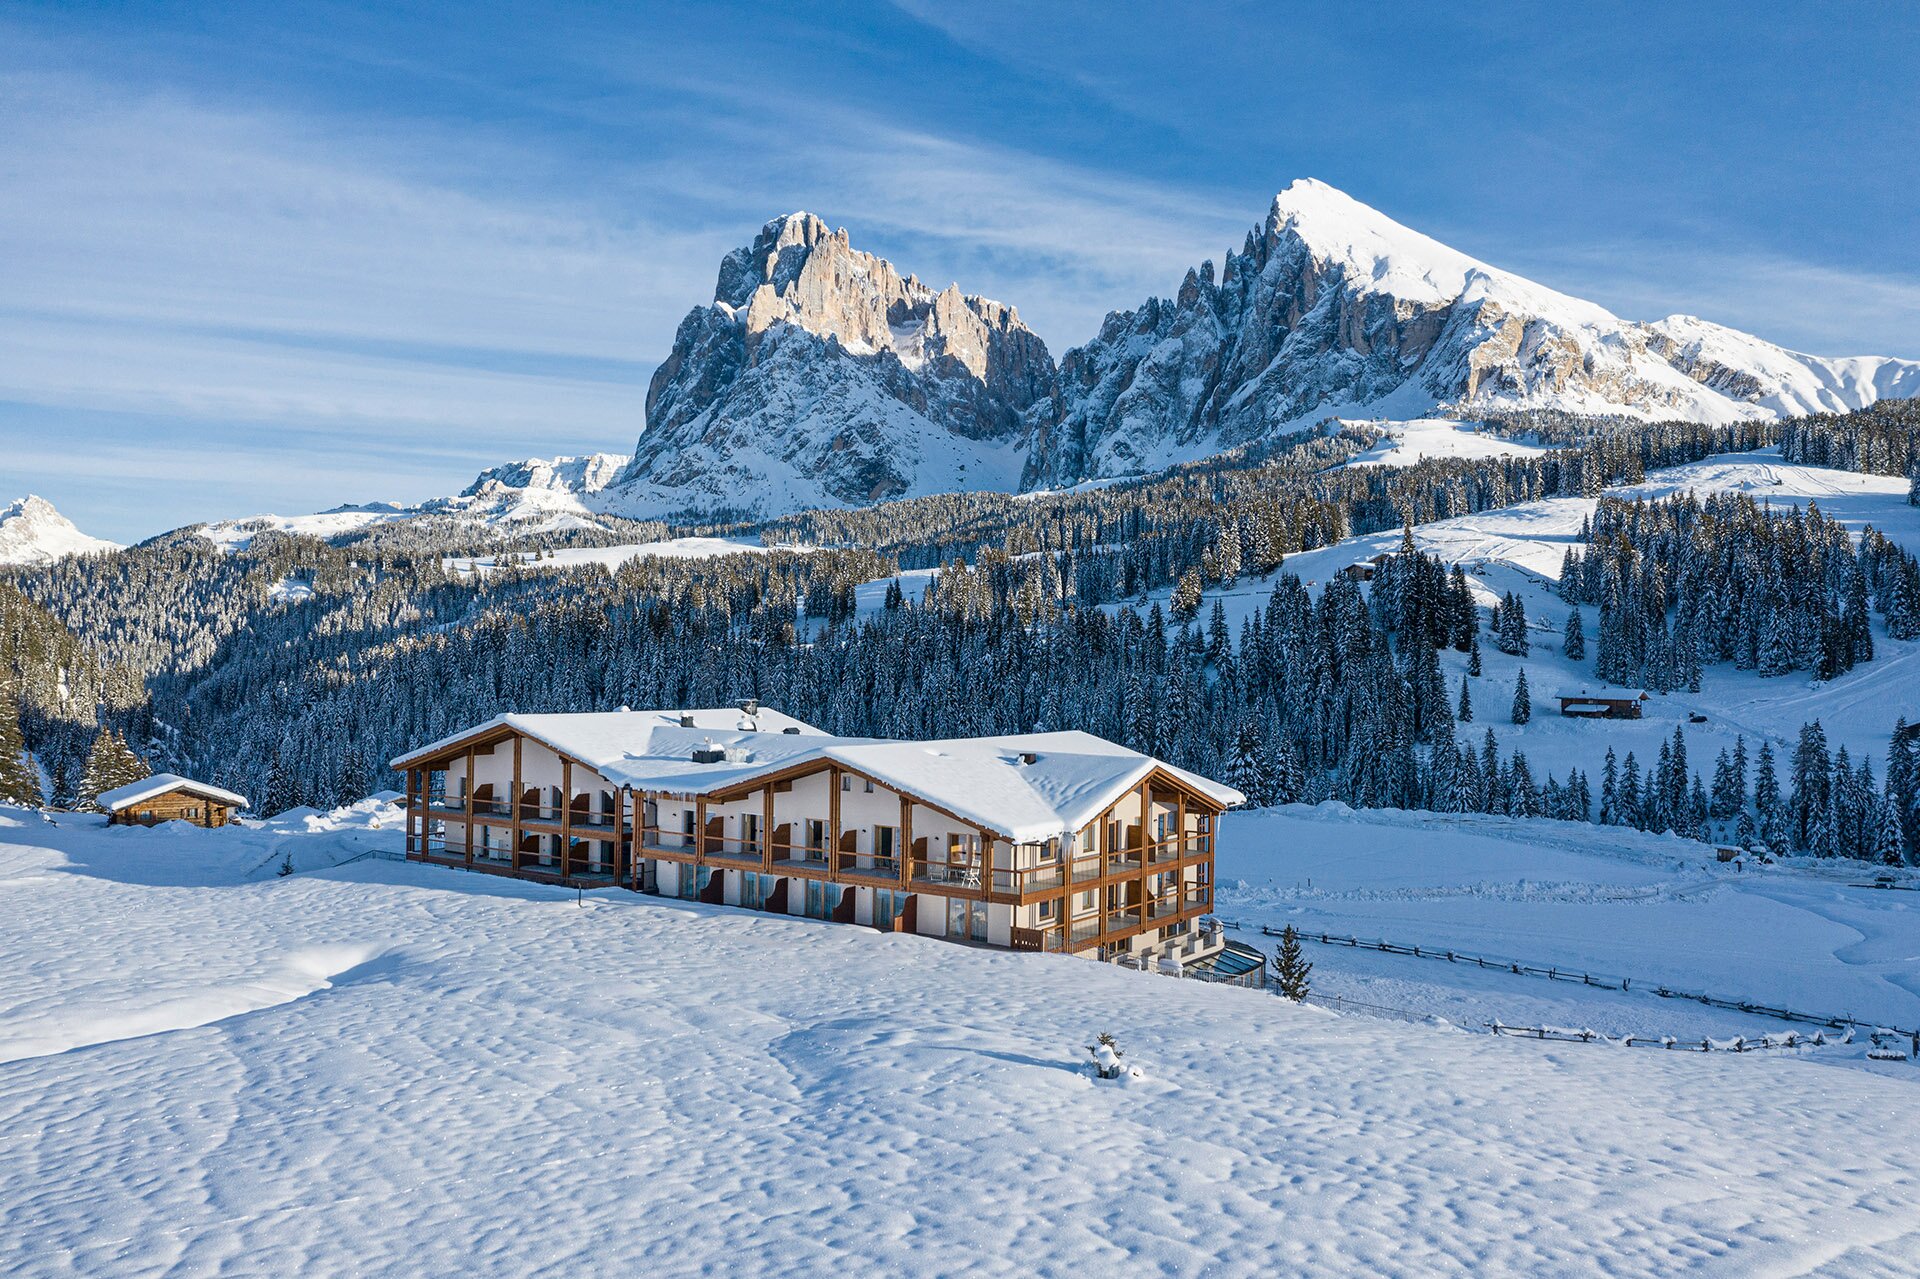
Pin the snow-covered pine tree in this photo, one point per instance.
(1473, 653)
(18, 782)
(1290, 967)
(1890, 844)
(1186, 595)
(111, 764)
(1522, 699)
(1465, 713)
(1574, 645)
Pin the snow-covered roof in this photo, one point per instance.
(159, 784)
(985, 781)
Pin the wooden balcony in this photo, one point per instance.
(947, 874)
(805, 857)
(866, 866)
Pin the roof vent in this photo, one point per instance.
(686, 720)
(709, 753)
(1028, 757)
(791, 731)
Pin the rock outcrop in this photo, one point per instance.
(820, 376)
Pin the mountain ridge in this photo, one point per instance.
(820, 376)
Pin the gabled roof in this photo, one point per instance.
(160, 784)
(597, 737)
(984, 781)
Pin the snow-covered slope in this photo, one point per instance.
(1332, 308)
(33, 532)
(1520, 549)
(536, 495)
(377, 1068)
(819, 376)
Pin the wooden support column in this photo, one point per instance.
(566, 817)
(833, 823)
(513, 802)
(469, 799)
(620, 836)
(700, 830)
(1180, 823)
(766, 828)
(903, 845)
(413, 809)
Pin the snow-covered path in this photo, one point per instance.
(486, 1077)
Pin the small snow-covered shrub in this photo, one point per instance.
(1109, 1060)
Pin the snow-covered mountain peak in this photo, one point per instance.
(1379, 254)
(820, 375)
(32, 531)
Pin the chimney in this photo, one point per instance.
(686, 720)
(791, 731)
(1028, 757)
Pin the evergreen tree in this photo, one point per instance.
(1609, 791)
(18, 782)
(1473, 653)
(1465, 714)
(1890, 843)
(1575, 643)
(111, 764)
(1522, 699)
(1810, 808)
(1290, 966)
(1186, 595)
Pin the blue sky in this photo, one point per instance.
(278, 257)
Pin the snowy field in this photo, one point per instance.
(376, 1068)
(1405, 443)
(1612, 902)
(612, 557)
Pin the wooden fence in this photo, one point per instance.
(1600, 981)
(1743, 1044)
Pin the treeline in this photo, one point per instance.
(1688, 582)
(1882, 439)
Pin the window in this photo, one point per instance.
(869, 785)
(846, 781)
(1047, 908)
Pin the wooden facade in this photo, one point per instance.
(180, 804)
(1601, 706)
(822, 839)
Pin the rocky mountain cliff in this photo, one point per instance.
(1332, 308)
(819, 376)
(33, 532)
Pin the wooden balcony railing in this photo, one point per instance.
(808, 855)
(955, 874)
(867, 865)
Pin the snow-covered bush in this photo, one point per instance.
(1109, 1060)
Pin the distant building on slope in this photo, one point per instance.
(1607, 704)
(166, 797)
(1041, 841)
